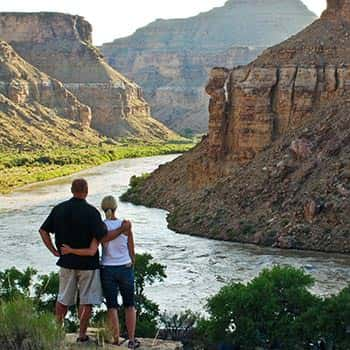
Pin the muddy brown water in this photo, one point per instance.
(196, 267)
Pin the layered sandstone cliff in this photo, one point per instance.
(171, 59)
(60, 45)
(36, 109)
(274, 167)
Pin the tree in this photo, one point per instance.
(266, 312)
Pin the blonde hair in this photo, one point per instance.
(109, 206)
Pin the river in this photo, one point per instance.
(196, 267)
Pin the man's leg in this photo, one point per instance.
(90, 293)
(66, 294)
(61, 312)
(85, 312)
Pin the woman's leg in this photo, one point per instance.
(110, 291)
(113, 324)
(127, 290)
(130, 320)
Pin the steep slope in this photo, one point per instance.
(171, 59)
(274, 168)
(60, 45)
(36, 111)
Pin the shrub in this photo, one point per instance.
(266, 312)
(15, 283)
(22, 327)
(179, 327)
(329, 321)
(147, 272)
(135, 186)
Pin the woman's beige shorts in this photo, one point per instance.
(85, 282)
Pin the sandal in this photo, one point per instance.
(118, 343)
(83, 339)
(134, 344)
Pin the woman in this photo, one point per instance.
(117, 273)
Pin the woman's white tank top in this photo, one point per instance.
(116, 252)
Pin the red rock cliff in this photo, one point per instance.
(274, 168)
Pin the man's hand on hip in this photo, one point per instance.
(126, 226)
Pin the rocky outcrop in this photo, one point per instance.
(60, 45)
(97, 340)
(171, 59)
(34, 106)
(265, 102)
(273, 169)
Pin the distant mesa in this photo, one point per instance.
(61, 46)
(171, 59)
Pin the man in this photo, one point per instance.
(76, 223)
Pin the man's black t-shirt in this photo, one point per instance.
(76, 223)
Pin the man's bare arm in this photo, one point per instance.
(124, 229)
(45, 236)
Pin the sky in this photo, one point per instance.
(113, 19)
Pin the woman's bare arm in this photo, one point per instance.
(131, 246)
(91, 251)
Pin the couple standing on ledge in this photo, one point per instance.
(78, 230)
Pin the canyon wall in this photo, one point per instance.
(60, 45)
(34, 107)
(171, 59)
(274, 168)
(281, 89)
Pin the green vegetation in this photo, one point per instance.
(39, 293)
(135, 186)
(22, 326)
(276, 311)
(26, 310)
(18, 168)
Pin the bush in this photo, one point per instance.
(179, 327)
(276, 311)
(135, 186)
(22, 327)
(147, 272)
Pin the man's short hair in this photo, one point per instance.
(79, 186)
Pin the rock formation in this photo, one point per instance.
(61, 46)
(34, 106)
(274, 167)
(97, 341)
(171, 59)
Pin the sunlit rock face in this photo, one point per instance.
(36, 110)
(61, 46)
(282, 88)
(171, 59)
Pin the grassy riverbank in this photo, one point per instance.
(18, 168)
